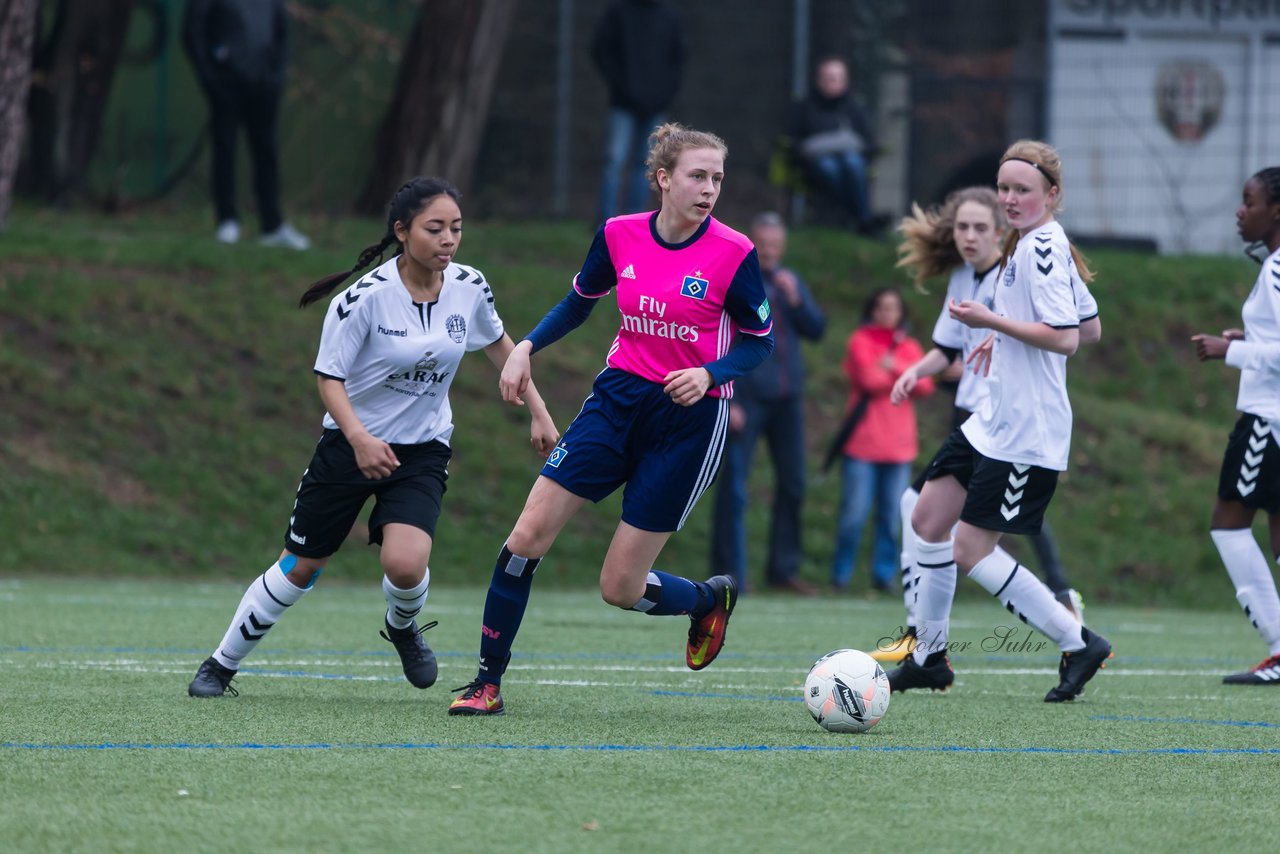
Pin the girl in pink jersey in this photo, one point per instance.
(687, 287)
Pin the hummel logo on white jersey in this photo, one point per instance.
(629, 272)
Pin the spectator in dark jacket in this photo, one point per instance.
(237, 48)
(769, 402)
(835, 142)
(639, 50)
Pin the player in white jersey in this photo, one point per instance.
(389, 350)
(997, 472)
(962, 238)
(1250, 477)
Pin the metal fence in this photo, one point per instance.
(1160, 108)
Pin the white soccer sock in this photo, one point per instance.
(937, 586)
(1255, 586)
(261, 606)
(1028, 598)
(910, 574)
(403, 604)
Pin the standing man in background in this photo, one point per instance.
(237, 48)
(770, 401)
(639, 51)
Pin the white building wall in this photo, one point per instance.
(1160, 110)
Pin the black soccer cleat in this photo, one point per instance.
(1077, 668)
(1265, 672)
(417, 659)
(212, 680)
(935, 674)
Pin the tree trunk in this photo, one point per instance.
(442, 95)
(17, 34)
(69, 89)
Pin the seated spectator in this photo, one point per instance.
(834, 141)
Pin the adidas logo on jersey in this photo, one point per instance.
(628, 273)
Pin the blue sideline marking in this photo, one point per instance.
(1144, 720)
(667, 748)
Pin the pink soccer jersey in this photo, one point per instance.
(681, 304)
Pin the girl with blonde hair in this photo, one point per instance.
(997, 472)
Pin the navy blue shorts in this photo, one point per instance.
(333, 491)
(1250, 470)
(630, 432)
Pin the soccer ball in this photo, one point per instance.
(846, 691)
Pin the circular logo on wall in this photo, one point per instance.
(1189, 96)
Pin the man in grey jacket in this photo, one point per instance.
(769, 402)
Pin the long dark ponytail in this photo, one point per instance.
(407, 203)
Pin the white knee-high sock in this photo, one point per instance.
(1000, 551)
(937, 586)
(910, 574)
(1255, 586)
(403, 604)
(1028, 598)
(261, 606)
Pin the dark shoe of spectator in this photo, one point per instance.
(875, 225)
(794, 585)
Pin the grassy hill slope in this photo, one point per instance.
(157, 405)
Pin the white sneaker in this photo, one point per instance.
(228, 231)
(287, 236)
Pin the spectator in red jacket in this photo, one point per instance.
(882, 445)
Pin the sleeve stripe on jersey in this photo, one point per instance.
(330, 376)
(378, 276)
(759, 333)
(724, 334)
(1065, 325)
(581, 293)
(463, 275)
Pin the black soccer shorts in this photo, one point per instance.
(333, 491)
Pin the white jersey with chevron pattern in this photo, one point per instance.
(1026, 414)
(398, 357)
